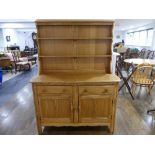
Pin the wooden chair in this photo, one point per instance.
(150, 54)
(142, 53)
(142, 77)
(20, 65)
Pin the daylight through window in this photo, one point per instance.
(140, 38)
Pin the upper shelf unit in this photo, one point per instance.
(76, 48)
(75, 32)
(74, 45)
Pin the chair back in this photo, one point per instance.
(16, 55)
(143, 72)
(142, 53)
(150, 54)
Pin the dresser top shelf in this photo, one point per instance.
(77, 78)
(74, 22)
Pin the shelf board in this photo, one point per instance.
(44, 56)
(106, 38)
(78, 56)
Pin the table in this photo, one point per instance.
(139, 61)
(4, 62)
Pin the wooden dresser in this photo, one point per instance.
(75, 86)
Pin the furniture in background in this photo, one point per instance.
(142, 77)
(14, 47)
(125, 76)
(140, 61)
(20, 63)
(75, 86)
(151, 54)
(5, 63)
(30, 55)
(142, 53)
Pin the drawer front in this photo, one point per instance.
(98, 90)
(54, 89)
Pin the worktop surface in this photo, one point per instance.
(75, 78)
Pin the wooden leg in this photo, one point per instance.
(40, 131)
(150, 87)
(125, 82)
(111, 130)
(39, 127)
(134, 89)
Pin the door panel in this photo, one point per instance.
(56, 108)
(95, 108)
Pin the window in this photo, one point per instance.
(149, 37)
(140, 38)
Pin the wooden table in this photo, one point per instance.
(139, 61)
(5, 62)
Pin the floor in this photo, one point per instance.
(17, 114)
(8, 75)
(11, 86)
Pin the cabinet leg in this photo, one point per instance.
(111, 130)
(39, 128)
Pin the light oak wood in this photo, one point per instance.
(75, 86)
(51, 108)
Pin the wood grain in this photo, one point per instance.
(75, 86)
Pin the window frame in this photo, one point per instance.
(135, 43)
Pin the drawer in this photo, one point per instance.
(99, 90)
(54, 89)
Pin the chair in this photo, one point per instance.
(18, 64)
(152, 111)
(150, 54)
(142, 77)
(29, 55)
(125, 76)
(134, 53)
(142, 53)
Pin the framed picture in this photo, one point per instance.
(8, 38)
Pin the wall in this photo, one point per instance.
(13, 37)
(20, 37)
(24, 39)
(1, 40)
(121, 34)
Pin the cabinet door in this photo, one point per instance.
(55, 104)
(95, 108)
(56, 108)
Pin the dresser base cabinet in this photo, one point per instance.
(75, 105)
